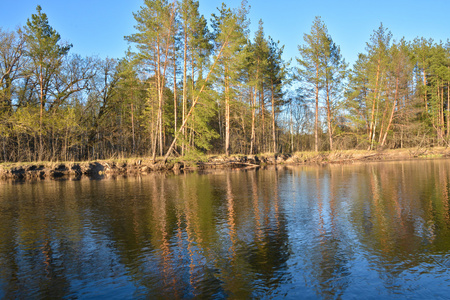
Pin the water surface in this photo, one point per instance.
(378, 230)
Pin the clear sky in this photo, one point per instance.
(97, 27)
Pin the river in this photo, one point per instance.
(373, 230)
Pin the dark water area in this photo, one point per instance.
(372, 231)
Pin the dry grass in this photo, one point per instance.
(303, 156)
(388, 154)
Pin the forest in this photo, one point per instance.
(189, 86)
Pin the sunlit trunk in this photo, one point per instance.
(227, 113)
(274, 138)
(374, 102)
(316, 119)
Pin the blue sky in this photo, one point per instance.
(97, 27)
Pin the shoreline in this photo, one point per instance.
(144, 166)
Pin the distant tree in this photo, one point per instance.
(12, 62)
(436, 87)
(421, 55)
(130, 95)
(100, 100)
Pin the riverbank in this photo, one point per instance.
(135, 166)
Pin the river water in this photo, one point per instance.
(376, 230)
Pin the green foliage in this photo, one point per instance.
(25, 120)
(43, 41)
(209, 88)
(319, 59)
(316, 44)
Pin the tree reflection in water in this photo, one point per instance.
(316, 232)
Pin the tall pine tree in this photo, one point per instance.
(46, 53)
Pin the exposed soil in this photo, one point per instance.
(143, 166)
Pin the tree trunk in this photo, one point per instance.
(292, 130)
(316, 119)
(330, 129)
(175, 102)
(41, 111)
(425, 98)
(383, 118)
(392, 114)
(160, 99)
(253, 104)
(263, 133)
(273, 122)
(194, 101)
(161, 79)
(442, 113)
(184, 104)
(374, 101)
(192, 134)
(154, 133)
(132, 128)
(227, 113)
(448, 108)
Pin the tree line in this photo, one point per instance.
(189, 86)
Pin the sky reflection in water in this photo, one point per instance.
(379, 230)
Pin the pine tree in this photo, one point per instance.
(356, 97)
(421, 51)
(368, 85)
(46, 54)
(335, 74)
(437, 83)
(196, 51)
(224, 42)
(311, 68)
(276, 76)
(155, 26)
(230, 30)
(377, 53)
(399, 79)
(258, 57)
